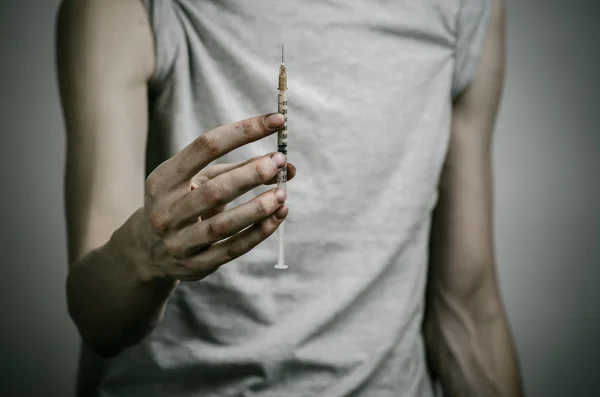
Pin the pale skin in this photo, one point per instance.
(131, 243)
(469, 343)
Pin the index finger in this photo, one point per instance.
(215, 143)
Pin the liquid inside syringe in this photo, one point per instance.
(282, 148)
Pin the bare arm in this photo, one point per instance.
(104, 61)
(469, 344)
(105, 56)
(131, 242)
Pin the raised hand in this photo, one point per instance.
(185, 230)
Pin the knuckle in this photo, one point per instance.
(151, 185)
(173, 246)
(249, 128)
(265, 229)
(187, 264)
(213, 192)
(264, 205)
(159, 221)
(207, 143)
(262, 173)
(218, 229)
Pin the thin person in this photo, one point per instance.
(391, 286)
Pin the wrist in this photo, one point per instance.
(128, 246)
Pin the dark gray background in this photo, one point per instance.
(546, 200)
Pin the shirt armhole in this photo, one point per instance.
(472, 26)
(167, 33)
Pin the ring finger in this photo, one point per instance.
(230, 222)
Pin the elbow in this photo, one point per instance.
(483, 297)
(471, 293)
(472, 286)
(447, 310)
(102, 345)
(99, 339)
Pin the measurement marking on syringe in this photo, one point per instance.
(282, 136)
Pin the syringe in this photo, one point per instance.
(282, 148)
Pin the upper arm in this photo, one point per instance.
(104, 59)
(462, 257)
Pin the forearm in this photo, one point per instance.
(113, 304)
(470, 354)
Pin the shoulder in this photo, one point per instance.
(107, 35)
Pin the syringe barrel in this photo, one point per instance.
(282, 135)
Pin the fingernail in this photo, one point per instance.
(281, 213)
(279, 196)
(279, 159)
(273, 120)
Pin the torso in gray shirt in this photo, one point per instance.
(371, 84)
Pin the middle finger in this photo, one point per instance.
(226, 187)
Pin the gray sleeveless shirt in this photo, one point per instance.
(370, 89)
